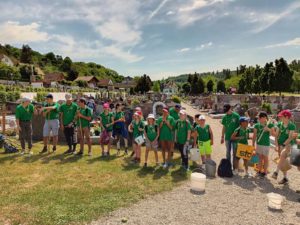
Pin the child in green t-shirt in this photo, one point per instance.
(205, 139)
(151, 133)
(240, 136)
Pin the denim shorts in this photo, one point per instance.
(51, 126)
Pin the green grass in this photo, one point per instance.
(58, 189)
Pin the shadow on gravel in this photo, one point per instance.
(179, 175)
(246, 183)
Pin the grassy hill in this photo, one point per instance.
(51, 62)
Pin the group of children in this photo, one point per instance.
(236, 130)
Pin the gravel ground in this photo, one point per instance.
(236, 200)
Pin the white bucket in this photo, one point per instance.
(198, 181)
(275, 200)
(194, 154)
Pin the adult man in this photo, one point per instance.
(51, 114)
(68, 112)
(84, 116)
(230, 123)
(24, 113)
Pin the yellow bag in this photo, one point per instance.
(244, 151)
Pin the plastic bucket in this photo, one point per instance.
(198, 181)
(210, 168)
(194, 154)
(275, 201)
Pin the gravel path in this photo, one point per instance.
(237, 200)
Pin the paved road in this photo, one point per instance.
(237, 200)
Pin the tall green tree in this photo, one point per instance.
(283, 76)
(221, 86)
(156, 86)
(200, 86)
(66, 64)
(26, 54)
(144, 84)
(210, 86)
(186, 88)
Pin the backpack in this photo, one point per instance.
(224, 169)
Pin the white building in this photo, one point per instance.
(6, 60)
(170, 89)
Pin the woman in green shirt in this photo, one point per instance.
(285, 140)
(166, 125)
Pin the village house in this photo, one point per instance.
(170, 88)
(107, 84)
(6, 60)
(92, 81)
(52, 79)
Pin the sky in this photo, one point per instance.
(160, 38)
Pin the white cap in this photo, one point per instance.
(183, 112)
(25, 100)
(68, 96)
(151, 116)
(201, 117)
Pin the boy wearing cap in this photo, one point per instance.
(166, 125)
(84, 117)
(261, 137)
(230, 122)
(151, 134)
(68, 112)
(106, 122)
(24, 113)
(51, 114)
(183, 128)
(205, 139)
(240, 135)
(285, 139)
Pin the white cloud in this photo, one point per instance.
(14, 33)
(203, 46)
(162, 4)
(169, 13)
(294, 42)
(183, 50)
(119, 53)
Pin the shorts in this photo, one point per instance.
(263, 150)
(51, 126)
(152, 145)
(205, 147)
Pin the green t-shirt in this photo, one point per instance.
(265, 138)
(136, 126)
(151, 131)
(244, 133)
(174, 114)
(166, 134)
(107, 119)
(24, 114)
(203, 133)
(285, 131)
(117, 116)
(53, 114)
(86, 111)
(69, 112)
(230, 122)
(182, 127)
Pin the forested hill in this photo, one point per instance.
(50, 62)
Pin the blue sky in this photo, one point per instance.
(157, 37)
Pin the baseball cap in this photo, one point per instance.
(139, 113)
(178, 106)
(165, 109)
(106, 106)
(202, 117)
(68, 97)
(285, 113)
(49, 96)
(226, 108)
(150, 116)
(25, 100)
(244, 119)
(183, 112)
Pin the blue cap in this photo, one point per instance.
(244, 119)
(49, 96)
(178, 106)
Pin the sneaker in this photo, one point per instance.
(80, 153)
(275, 175)
(235, 172)
(44, 150)
(69, 151)
(283, 181)
(165, 165)
(145, 165)
(22, 152)
(54, 149)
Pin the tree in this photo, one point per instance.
(226, 73)
(25, 72)
(210, 86)
(221, 86)
(190, 78)
(72, 74)
(283, 76)
(194, 84)
(144, 84)
(66, 64)
(242, 86)
(156, 86)
(50, 58)
(26, 54)
(200, 86)
(186, 88)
